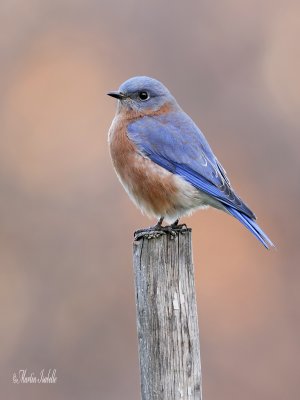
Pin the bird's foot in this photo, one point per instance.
(179, 227)
(153, 232)
(159, 230)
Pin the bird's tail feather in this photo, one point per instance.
(252, 226)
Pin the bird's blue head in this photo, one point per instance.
(143, 94)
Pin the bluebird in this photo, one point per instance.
(164, 161)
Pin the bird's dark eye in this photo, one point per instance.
(143, 95)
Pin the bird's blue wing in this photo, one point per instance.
(174, 142)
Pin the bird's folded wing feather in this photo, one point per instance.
(174, 142)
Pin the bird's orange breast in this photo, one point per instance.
(150, 186)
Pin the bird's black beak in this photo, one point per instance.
(117, 95)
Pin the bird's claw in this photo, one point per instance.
(158, 230)
(179, 228)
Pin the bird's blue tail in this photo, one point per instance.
(252, 226)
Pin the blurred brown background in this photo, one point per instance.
(67, 297)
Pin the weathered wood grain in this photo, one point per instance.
(167, 322)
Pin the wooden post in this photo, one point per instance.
(167, 322)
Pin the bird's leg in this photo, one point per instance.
(176, 227)
(158, 226)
